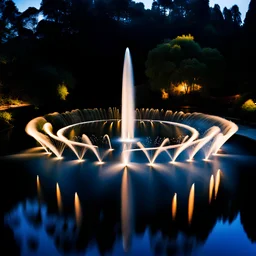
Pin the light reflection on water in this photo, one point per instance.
(146, 210)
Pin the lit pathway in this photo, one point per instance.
(6, 107)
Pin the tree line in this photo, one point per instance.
(79, 45)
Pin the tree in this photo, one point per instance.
(119, 8)
(8, 20)
(199, 11)
(216, 14)
(249, 43)
(179, 9)
(236, 15)
(55, 10)
(136, 10)
(29, 18)
(227, 15)
(182, 60)
(165, 4)
(250, 18)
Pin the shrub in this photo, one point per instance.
(6, 116)
(62, 91)
(249, 106)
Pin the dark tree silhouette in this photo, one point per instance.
(87, 38)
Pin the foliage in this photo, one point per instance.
(249, 106)
(183, 60)
(10, 101)
(47, 80)
(185, 37)
(62, 91)
(39, 55)
(6, 116)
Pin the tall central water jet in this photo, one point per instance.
(128, 108)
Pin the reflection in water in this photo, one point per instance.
(78, 210)
(217, 183)
(211, 188)
(100, 227)
(174, 206)
(39, 190)
(191, 203)
(59, 200)
(126, 210)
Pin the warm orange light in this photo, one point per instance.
(78, 210)
(58, 195)
(191, 203)
(126, 210)
(165, 95)
(183, 88)
(217, 183)
(72, 134)
(211, 188)
(38, 186)
(174, 206)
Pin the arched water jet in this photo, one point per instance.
(87, 141)
(32, 130)
(216, 141)
(232, 130)
(145, 151)
(184, 139)
(201, 142)
(60, 134)
(185, 145)
(108, 140)
(47, 127)
(160, 149)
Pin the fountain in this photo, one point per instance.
(109, 176)
(194, 131)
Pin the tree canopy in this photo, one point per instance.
(87, 39)
(182, 60)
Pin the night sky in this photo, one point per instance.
(243, 4)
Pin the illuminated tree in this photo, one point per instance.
(62, 91)
(6, 116)
(183, 61)
(249, 106)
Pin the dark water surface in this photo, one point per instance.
(62, 207)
